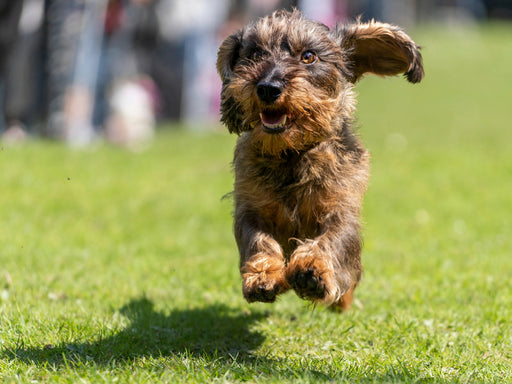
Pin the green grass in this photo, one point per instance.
(122, 267)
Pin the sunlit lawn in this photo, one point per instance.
(122, 266)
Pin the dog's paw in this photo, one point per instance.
(308, 283)
(260, 287)
(311, 275)
(263, 279)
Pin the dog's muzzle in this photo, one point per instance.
(273, 119)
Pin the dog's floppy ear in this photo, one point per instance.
(228, 55)
(379, 48)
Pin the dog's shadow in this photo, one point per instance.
(216, 332)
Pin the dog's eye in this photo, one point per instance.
(308, 57)
(257, 56)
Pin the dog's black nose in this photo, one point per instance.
(268, 91)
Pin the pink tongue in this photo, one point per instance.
(272, 118)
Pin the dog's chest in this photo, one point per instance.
(292, 197)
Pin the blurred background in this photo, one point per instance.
(84, 70)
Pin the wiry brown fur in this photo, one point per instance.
(298, 192)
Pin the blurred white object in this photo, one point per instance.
(14, 134)
(31, 17)
(131, 122)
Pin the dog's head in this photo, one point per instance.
(288, 80)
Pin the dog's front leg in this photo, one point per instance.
(328, 267)
(262, 264)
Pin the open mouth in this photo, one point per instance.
(274, 121)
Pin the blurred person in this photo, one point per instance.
(10, 12)
(104, 78)
(24, 86)
(131, 100)
(64, 26)
(80, 97)
(188, 31)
